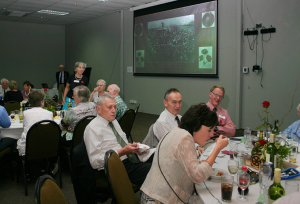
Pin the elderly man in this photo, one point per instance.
(225, 126)
(61, 80)
(104, 133)
(114, 90)
(4, 86)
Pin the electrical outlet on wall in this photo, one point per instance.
(245, 70)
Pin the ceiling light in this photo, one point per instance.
(103, 0)
(53, 12)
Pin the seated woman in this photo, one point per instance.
(83, 108)
(13, 94)
(294, 129)
(33, 115)
(5, 123)
(27, 89)
(98, 90)
(178, 162)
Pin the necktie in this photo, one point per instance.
(177, 119)
(215, 110)
(132, 157)
(60, 78)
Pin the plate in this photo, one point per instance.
(143, 147)
(213, 175)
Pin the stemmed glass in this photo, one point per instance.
(233, 167)
(12, 115)
(243, 182)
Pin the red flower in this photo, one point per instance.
(266, 104)
(82, 82)
(45, 89)
(262, 142)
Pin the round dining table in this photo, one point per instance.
(210, 190)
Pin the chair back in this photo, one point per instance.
(11, 106)
(42, 140)
(79, 130)
(118, 179)
(126, 122)
(150, 139)
(136, 109)
(48, 192)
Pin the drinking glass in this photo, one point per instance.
(12, 115)
(231, 149)
(264, 176)
(243, 182)
(226, 188)
(16, 114)
(233, 167)
(291, 187)
(293, 155)
(247, 131)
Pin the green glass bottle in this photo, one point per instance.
(261, 135)
(271, 151)
(69, 104)
(276, 190)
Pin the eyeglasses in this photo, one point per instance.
(217, 95)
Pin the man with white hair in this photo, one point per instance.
(4, 86)
(293, 130)
(114, 90)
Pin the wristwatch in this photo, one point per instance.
(216, 128)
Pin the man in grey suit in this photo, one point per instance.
(61, 80)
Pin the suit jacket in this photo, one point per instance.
(66, 74)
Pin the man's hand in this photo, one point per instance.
(130, 149)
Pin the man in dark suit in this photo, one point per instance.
(61, 79)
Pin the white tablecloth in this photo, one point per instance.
(16, 129)
(214, 185)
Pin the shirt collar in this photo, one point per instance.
(210, 106)
(103, 120)
(170, 115)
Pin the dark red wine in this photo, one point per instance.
(246, 191)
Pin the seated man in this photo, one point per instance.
(33, 115)
(4, 86)
(104, 133)
(225, 126)
(167, 120)
(114, 90)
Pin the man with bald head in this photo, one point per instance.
(114, 90)
(104, 133)
(61, 80)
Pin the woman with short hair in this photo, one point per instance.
(27, 90)
(13, 94)
(74, 80)
(83, 108)
(98, 90)
(172, 180)
(33, 115)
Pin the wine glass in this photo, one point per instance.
(243, 182)
(233, 167)
(12, 115)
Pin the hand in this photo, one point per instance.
(221, 142)
(200, 150)
(95, 89)
(132, 149)
(63, 101)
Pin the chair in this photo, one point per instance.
(126, 122)
(136, 109)
(47, 191)
(150, 139)
(11, 106)
(118, 179)
(42, 142)
(77, 135)
(5, 156)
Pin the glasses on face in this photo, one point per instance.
(217, 95)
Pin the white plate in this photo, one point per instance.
(143, 147)
(216, 171)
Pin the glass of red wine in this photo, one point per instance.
(12, 115)
(243, 182)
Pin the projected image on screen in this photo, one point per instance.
(171, 40)
(139, 58)
(179, 40)
(205, 57)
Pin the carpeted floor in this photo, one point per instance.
(12, 192)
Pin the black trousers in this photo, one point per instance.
(137, 173)
(7, 142)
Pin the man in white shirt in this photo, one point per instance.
(99, 137)
(4, 86)
(169, 118)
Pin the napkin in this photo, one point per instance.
(261, 198)
(146, 155)
(227, 152)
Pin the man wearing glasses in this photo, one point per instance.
(224, 126)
